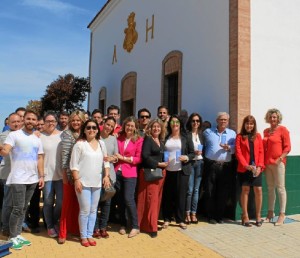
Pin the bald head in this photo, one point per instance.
(14, 122)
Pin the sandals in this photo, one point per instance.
(182, 225)
(270, 216)
(259, 223)
(166, 225)
(194, 219)
(245, 221)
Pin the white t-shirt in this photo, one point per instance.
(52, 158)
(24, 157)
(89, 163)
(173, 146)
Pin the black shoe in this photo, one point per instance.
(153, 234)
(212, 221)
(220, 221)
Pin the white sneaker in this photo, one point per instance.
(23, 241)
(16, 244)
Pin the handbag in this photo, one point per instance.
(108, 192)
(152, 174)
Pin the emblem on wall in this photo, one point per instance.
(131, 34)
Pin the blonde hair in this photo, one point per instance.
(272, 111)
(162, 126)
(136, 133)
(78, 113)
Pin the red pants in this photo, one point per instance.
(148, 202)
(69, 213)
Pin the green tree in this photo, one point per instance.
(65, 93)
(35, 105)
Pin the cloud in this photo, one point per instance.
(54, 6)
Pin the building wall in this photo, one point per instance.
(197, 28)
(275, 66)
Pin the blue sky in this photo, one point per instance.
(40, 40)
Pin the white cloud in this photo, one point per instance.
(55, 6)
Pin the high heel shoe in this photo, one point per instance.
(194, 219)
(188, 218)
(245, 221)
(270, 216)
(280, 220)
(258, 223)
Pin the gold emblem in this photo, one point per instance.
(131, 34)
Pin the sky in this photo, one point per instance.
(40, 40)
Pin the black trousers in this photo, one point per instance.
(217, 181)
(174, 196)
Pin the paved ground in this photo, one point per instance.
(202, 240)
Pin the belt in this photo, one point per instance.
(218, 162)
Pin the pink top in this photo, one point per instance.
(276, 143)
(134, 150)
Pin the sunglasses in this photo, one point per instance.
(174, 122)
(145, 117)
(195, 121)
(91, 127)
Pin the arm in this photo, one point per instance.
(137, 158)
(74, 166)
(189, 149)
(239, 154)
(5, 149)
(40, 166)
(148, 160)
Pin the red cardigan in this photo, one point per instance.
(242, 152)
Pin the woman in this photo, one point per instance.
(106, 135)
(150, 193)
(193, 126)
(53, 189)
(180, 150)
(129, 156)
(277, 145)
(70, 208)
(86, 165)
(250, 157)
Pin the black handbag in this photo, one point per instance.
(108, 192)
(152, 174)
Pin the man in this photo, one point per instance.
(219, 146)
(63, 121)
(98, 116)
(144, 116)
(14, 123)
(40, 124)
(114, 111)
(163, 113)
(27, 169)
(21, 111)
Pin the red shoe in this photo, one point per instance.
(97, 233)
(103, 233)
(85, 244)
(92, 242)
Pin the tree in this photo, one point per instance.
(66, 93)
(35, 105)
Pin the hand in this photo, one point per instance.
(184, 158)
(197, 152)
(225, 147)
(163, 164)
(258, 171)
(106, 182)
(119, 156)
(278, 160)
(41, 182)
(78, 186)
(37, 133)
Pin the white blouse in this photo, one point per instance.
(89, 163)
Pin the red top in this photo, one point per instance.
(276, 143)
(242, 152)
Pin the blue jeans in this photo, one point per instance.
(88, 202)
(52, 193)
(194, 186)
(21, 195)
(101, 223)
(6, 206)
(127, 186)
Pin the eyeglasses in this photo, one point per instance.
(174, 122)
(145, 117)
(50, 121)
(91, 127)
(195, 121)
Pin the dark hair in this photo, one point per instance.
(181, 126)
(82, 135)
(189, 122)
(96, 110)
(112, 119)
(162, 106)
(113, 107)
(20, 109)
(243, 131)
(206, 124)
(29, 111)
(144, 110)
(64, 113)
(51, 113)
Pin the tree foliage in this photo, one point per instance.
(65, 93)
(35, 105)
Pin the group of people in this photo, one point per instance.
(72, 158)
